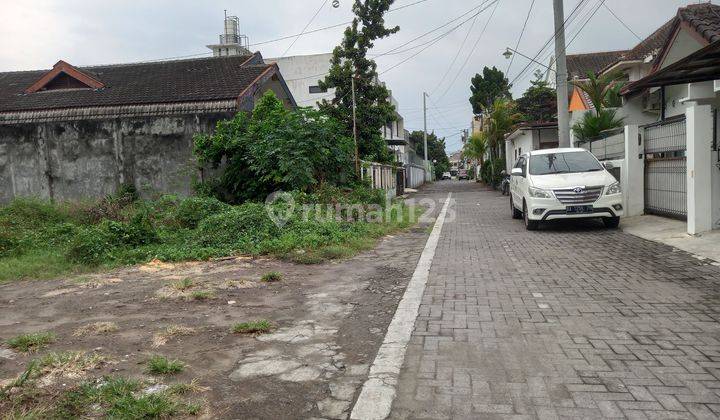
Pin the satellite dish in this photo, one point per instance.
(336, 3)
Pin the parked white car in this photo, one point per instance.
(565, 183)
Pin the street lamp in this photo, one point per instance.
(509, 52)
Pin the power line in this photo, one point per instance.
(471, 50)
(437, 28)
(586, 22)
(305, 28)
(621, 21)
(457, 54)
(568, 19)
(517, 44)
(436, 39)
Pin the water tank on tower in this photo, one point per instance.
(231, 41)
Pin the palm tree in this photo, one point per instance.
(475, 149)
(602, 90)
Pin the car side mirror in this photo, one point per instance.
(608, 165)
(517, 171)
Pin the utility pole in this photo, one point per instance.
(561, 76)
(354, 107)
(425, 148)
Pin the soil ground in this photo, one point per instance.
(328, 322)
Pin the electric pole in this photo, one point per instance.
(425, 148)
(354, 107)
(561, 76)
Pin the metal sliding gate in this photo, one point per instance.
(666, 168)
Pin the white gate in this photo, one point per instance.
(666, 168)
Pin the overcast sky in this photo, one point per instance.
(37, 33)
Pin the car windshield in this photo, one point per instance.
(561, 163)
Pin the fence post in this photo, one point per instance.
(633, 172)
(699, 165)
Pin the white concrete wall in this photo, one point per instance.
(303, 71)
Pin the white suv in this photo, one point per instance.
(563, 184)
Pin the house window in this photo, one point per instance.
(316, 89)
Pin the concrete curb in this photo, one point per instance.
(378, 392)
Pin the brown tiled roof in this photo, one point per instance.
(652, 44)
(704, 18)
(194, 80)
(578, 65)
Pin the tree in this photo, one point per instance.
(436, 151)
(538, 103)
(475, 149)
(276, 149)
(487, 88)
(350, 60)
(593, 124)
(602, 90)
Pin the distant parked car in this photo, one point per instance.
(463, 174)
(565, 183)
(446, 175)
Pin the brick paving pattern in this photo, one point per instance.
(572, 321)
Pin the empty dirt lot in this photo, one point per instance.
(327, 322)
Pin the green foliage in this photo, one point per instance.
(31, 341)
(93, 244)
(349, 60)
(161, 365)
(476, 146)
(436, 151)
(538, 103)
(193, 210)
(490, 171)
(148, 230)
(252, 327)
(275, 149)
(593, 124)
(271, 277)
(243, 227)
(488, 88)
(602, 90)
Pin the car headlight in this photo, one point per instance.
(613, 189)
(539, 193)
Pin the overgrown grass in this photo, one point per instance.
(40, 240)
(202, 295)
(252, 327)
(161, 365)
(31, 341)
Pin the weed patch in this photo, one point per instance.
(271, 277)
(252, 327)
(96, 328)
(31, 342)
(161, 365)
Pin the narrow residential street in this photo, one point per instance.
(572, 321)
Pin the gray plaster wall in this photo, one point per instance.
(90, 159)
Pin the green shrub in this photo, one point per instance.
(243, 227)
(90, 246)
(193, 210)
(9, 245)
(30, 213)
(93, 244)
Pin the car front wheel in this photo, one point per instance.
(516, 214)
(529, 224)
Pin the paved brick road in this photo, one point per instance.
(568, 322)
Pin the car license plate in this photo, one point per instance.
(578, 209)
